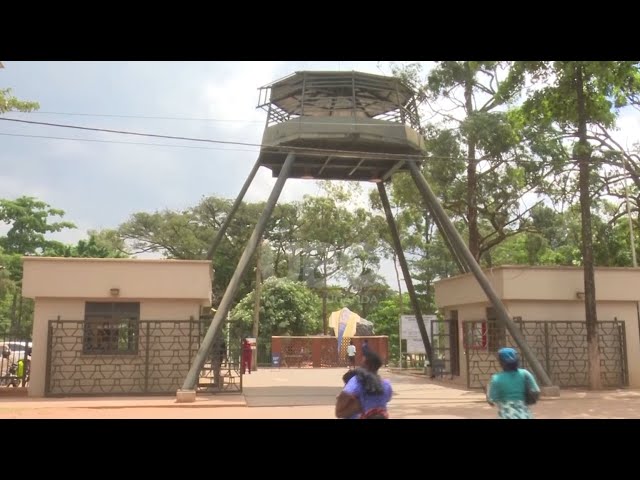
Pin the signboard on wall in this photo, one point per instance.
(410, 331)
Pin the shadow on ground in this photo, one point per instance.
(290, 396)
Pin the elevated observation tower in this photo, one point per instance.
(340, 125)
(347, 126)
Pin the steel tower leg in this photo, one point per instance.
(405, 271)
(187, 393)
(463, 251)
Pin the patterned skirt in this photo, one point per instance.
(516, 409)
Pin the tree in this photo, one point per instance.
(426, 253)
(287, 307)
(386, 321)
(476, 162)
(173, 234)
(98, 245)
(9, 103)
(187, 235)
(29, 221)
(110, 240)
(573, 97)
(327, 231)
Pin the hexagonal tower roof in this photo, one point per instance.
(340, 125)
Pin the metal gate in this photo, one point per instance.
(560, 346)
(129, 357)
(444, 345)
(222, 369)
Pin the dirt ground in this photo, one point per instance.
(310, 394)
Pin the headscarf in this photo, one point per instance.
(508, 356)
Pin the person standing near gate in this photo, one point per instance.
(351, 355)
(246, 355)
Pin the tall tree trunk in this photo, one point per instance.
(276, 262)
(584, 154)
(324, 297)
(472, 178)
(301, 269)
(256, 307)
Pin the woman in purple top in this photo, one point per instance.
(365, 394)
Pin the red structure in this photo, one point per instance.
(323, 351)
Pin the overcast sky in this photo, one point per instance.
(99, 185)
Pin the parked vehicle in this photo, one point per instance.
(10, 378)
(16, 350)
(15, 363)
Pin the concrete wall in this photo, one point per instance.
(166, 290)
(464, 290)
(547, 294)
(94, 278)
(539, 284)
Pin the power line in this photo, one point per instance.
(146, 117)
(297, 120)
(182, 146)
(140, 143)
(309, 151)
(127, 132)
(305, 150)
(127, 143)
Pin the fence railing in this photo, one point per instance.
(132, 358)
(560, 346)
(324, 351)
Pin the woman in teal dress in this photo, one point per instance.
(507, 389)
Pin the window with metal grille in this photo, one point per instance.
(111, 328)
(475, 335)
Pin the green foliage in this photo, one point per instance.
(99, 245)
(287, 307)
(29, 221)
(386, 320)
(476, 163)
(9, 103)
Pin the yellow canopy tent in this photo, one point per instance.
(344, 323)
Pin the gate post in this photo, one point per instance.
(47, 373)
(547, 349)
(146, 359)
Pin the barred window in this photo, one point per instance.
(475, 335)
(111, 328)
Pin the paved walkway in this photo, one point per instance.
(310, 393)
